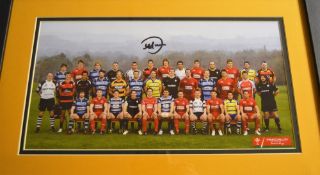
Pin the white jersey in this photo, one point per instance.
(198, 105)
(129, 74)
(46, 89)
(181, 73)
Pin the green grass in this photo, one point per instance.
(49, 140)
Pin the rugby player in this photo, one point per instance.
(77, 72)
(181, 70)
(268, 91)
(155, 84)
(147, 71)
(197, 71)
(94, 73)
(172, 83)
(188, 85)
(165, 109)
(133, 109)
(215, 110)
(119, 84)
(181, 106)
(130, 73)
(149, 111)
(98, 110)
(206, 85)
(246, 85)
(250, 111)
(136, 84)
(251, 72)
(79, 110)
(232, 112)
(111, 74)
(198, 112)
(225, 85)
(215, 74)
(116, 110)
(232, 71)
(84, 84)
(67, 92)
(101, 83)
(60, 77)
(46, 90)
(163, 71)
(265, 70)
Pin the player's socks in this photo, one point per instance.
(228, 125)
(71, 123)
(239, 124)
(193, 125)
(92, 125)
(244, 125)
(160, 124)
(39, 121)
(103, 124)
(132, 124)
(266, 122)
(257, 123)
(109, 124)
(176, 124)
(86, 124)
(187, 126)
(277, 120)
(52, 121)
(204, 125)
(156, 125)
(113, 125)
(139, 123)
(149, 126)
(144, 125)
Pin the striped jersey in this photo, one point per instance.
(59, 77)
(155, 85)
(136, 85)
(206, 87)
(116, 105)
(93, 74)
(102, 84)
(67, 90)
(121, 86)
(231, 106)
(165, 103)
(197, 105)
(81, 105)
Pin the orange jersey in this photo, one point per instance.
(181, 105)
(98, 104)
(215, 104)
(188, 86)
(163, 72)
(77, 73)
(149, 103)
(247, 85)
(248, 105)
(197, 73)
(224, 86)
(233, 73)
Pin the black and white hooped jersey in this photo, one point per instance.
(165, 103)
(46, 89)
(206, 87)
(197, 105)
(136, 85)
(116, 105)
(94, 74)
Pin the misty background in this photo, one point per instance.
(108, 41)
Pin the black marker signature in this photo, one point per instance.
(153, 44)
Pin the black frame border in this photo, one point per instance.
(294, 121)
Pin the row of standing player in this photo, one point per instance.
(187, 85)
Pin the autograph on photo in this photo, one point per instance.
(153, 44)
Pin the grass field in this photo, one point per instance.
(49, 140)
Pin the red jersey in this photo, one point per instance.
(188, 86)
(197, 73)
(149, 103)
(147, 72)
(224, 86)
(214, 104)
(98, 104)
(268, 73)
(247, 85)
(181, 105)
(163, 72)
(77, 73)
(248, 105)
(233, 73)
(66, 91)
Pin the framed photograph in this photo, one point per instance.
(125, 83)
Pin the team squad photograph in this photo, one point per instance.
(160, 85)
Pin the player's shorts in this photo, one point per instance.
(66, 105)
(133, 113)
(165, 114)
(215, 116)
(81, 116)
(251, 115)
(181, 113)
(198, 114)
(46, 104)
(271, 107)
(116, 113)
(98, 114)
(233, 116)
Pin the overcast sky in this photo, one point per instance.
(102, 36)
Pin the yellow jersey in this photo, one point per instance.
(120, 85)
(231, 106)
(155, 85)
(251, 74)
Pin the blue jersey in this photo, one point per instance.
(206, 87)
(94, 74)
(59, 77)
(116, 105)
(136, 85)
(101, 84)
(81, 106)
(165, 103)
